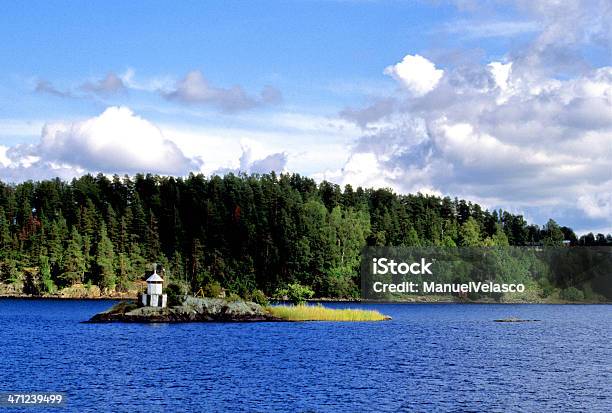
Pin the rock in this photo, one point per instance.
(513, 320)
(12, 289)
(80, 291)
(191, 310)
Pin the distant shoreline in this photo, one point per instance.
(60, 298)
(417, 300)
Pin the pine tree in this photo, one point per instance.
(124, 240)
(112, 226)
(46, 283)
(139, 222)
(55, 243)
(5, 235)
(105, 261)
(88, 220)
(73, 265)
(153, 246)
(124, 271)
(412, 238)
(470, 233)
(177, 268)
(137, 261)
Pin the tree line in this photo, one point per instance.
(243, 232)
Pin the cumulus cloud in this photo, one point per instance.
(116, 141)
(273, 162)
(254, 161)
(530, 132)
(194, 88)
(416, 73)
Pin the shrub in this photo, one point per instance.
(258, 297)
(212, 289)
(547, 290)
(233, 297)
(296, 293)
(8, 271)
(572, 294)
(176, 293)
(48, 286)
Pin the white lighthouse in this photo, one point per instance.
(154, 296)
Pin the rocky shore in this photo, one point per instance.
(191, 310)
(76, 291)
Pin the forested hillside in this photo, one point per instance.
(245, 232)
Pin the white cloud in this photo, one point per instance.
(597, 205)
(361, 169)
(416, 73)
(255, 160)
(4, 160)
(117, 141)
(501, 76)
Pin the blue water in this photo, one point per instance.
(428, 358)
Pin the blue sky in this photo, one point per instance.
(505, 103)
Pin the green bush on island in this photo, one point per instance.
(176, 293)
(233, 297)
(295, 293)
(258, 297)
(212, 289)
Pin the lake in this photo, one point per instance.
(430, 357)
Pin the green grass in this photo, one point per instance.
(320, 313)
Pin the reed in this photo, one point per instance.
(320, 313)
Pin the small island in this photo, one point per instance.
(195, 309)
(152, 308)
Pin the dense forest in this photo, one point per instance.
(242, 232)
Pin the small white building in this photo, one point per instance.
(154, 296)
